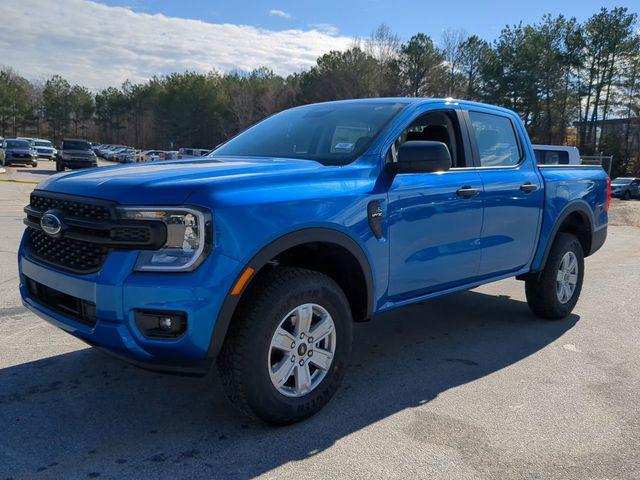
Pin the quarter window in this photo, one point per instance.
(496, 140)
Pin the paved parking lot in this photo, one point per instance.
(470, 386)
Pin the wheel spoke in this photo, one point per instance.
(322, 329)
(304, 315)
(567, 292)
(294, 375)
(572, 263)
(282, 340)
(560, 277)
(573, 279)
(283, 371)
(321, 358)
(303, 378)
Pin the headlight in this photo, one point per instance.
(189, 238)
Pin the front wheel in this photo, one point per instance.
(34, 164)
(627, 195)
(555, 291)
(59, 167)
(288, 346)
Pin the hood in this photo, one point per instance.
(170, 182)
(17, 150)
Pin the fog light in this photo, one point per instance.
(161, 324)
(165, 323)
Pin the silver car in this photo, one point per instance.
(625, 188)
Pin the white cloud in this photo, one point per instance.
(324, 28)
(279, 13)
(98, 46)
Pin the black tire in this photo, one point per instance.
(541, 289)
(627, 195)
(34, 164)
(59, 167)
(243, 361)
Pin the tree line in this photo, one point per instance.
(565, 79)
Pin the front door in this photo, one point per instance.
(435, 219)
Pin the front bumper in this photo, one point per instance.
(19, 160)
(73, 163)
(118, 292)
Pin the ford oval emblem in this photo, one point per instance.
(51, 224)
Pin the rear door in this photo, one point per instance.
(512, 191)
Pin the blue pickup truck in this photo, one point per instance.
(261, 256)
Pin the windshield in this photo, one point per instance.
(75, 145)
(17, 144)
(330, 133)
(43, 143)
(622, 181)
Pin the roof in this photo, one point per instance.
(416, 101)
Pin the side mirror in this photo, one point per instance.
(420, 156)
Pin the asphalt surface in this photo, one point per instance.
(470, 386)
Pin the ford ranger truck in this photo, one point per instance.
(261, 256)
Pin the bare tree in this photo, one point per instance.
(452, 41)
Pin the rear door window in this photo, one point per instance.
(496, 140)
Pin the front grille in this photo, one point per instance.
(66, 253)
(91, 231)
(75, 308)
(74, 208)
(131, 234)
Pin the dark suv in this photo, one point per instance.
(19, 151)
(75, 153)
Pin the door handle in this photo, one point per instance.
(467, 191)
(528, 187)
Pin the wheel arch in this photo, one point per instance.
(576, 218)
(282, 245)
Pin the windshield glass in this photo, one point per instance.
(622, 181)
(17, 144)
(330, 133)
(75, 145)
(43, 143)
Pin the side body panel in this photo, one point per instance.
(567, 189)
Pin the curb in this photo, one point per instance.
(10, 180)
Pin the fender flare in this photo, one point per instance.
(259, 260)
(579, 206)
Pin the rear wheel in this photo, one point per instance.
(59, 167)
(627, 195)
(555, 291)
(34, 164)
(288, 347)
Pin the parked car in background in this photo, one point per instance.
(151, 155)
(109, 150)
(169, 155)
(75, 153)
(19, 151)
(112, 154)
(556, 155)
(126, 155)
(193, 152)
(2, 156)
(625, 188)
(45, 149)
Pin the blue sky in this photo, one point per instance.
(100, 43)
(360, 17)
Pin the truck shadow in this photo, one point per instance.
(83, 414)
